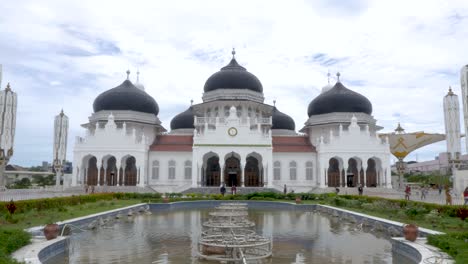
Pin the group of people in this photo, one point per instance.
(222, 190)
(448, 193)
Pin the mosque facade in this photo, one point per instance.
(233, 138)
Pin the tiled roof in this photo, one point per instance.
(173, 143)
(292, 144)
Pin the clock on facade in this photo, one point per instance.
(232, 131)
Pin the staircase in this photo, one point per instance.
(240, 190)
(108, 189)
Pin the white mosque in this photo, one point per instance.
(232, 138)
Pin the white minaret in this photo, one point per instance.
(60, 144)
(452, 125)
(8, 103)
(464, 90)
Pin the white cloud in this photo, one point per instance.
(402, 55)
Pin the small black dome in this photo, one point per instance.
(282, 121)
(183, 120)
(126, 97)
(339, 99)
(233, 76)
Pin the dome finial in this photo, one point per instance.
(328, 76)
(128, 74)
(274, 102)
(8, 88)
(338, 74)
(138, 76)
(233, 53)
(450, 92)
(191, 101)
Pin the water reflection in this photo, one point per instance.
(171, 237)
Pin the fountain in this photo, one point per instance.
(228, 236)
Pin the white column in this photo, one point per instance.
(359, 174)
(221, 170)
(124, 178)
(388, 176)
(364, 168)
(76, 175)
(99, 165)
(141, 173)
(117, 168)
(243, 174)
(345, 176)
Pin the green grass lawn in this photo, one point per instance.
(36, 217)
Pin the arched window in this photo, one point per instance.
(276, 170)
(172, 169)
(309, 170)
(188, 170)
(226, 111)
(155, 170)
(292, 170)
(239, 111)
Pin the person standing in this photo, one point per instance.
(223, 190)
(285, 190)
(440, 189)
(465, 196)
(448, 196)
(233, 189)
(360, 190)
(407, 192)
(423, 193)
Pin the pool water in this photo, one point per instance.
(171, 237)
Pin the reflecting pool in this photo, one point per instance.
(171, 237)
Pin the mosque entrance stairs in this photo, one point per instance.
(240, 190)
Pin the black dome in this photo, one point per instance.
(126, 97)
(183, 120)
(339, 99)
(233, 76)
(282, 121)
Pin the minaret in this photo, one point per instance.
(8, 103)
(60, 144)
(464, 90)
(452, 125)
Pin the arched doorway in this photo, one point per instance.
(130, 172)
(371, 173)
(333, 173)
(232, 171)
(352, 174)
(92, 173)
(252, 173)
(212, 175)
(111, 172)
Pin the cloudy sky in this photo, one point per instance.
(402, 55)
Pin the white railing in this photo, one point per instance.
(199, 121)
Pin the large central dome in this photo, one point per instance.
(233, 76)
(126, 97)
(339, 99)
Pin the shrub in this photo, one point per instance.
(11, 240)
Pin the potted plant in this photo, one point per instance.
(51, 230)
(410, 231)
(298, 200)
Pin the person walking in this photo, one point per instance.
(337, 190)
(222, 190)
(407, 192)
(448, 196)
(440, 189)
(465, 196)
(285, 190)
(360, 189)
(423, 193)
(233, 189)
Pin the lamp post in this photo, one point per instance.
(60, 144)
(8, 103)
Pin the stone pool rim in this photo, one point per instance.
(41, 250)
